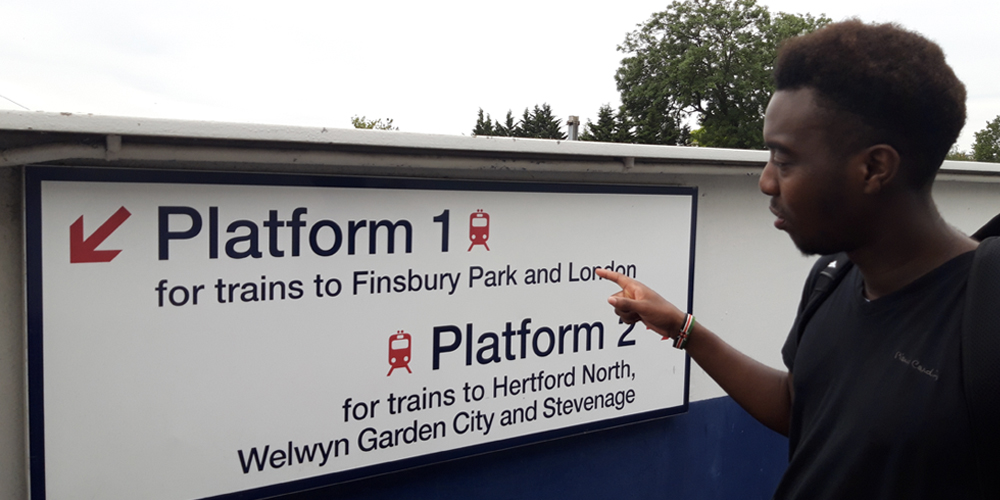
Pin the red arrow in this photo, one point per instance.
(85, 250)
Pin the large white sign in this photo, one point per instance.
(200, 335)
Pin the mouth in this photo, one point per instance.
(779, 222)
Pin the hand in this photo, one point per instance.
(637, 302)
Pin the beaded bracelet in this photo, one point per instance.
(681, 340)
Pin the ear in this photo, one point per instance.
(880, 164)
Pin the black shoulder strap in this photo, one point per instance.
(981, 362)
(991, 228)
(832, 269)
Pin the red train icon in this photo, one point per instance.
(399, 351)
(479, 229)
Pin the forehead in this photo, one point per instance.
(794, 118)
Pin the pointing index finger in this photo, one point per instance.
(618, 278)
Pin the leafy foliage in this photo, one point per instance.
(959, 155)
(987, 144)
(379, 124)
(712, 58)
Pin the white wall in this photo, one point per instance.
(749, 276)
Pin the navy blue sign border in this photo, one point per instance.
(35, 175)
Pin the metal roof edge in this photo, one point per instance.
(970, 167)
(83, 123)
(23, 121)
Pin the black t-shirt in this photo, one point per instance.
(879, 408)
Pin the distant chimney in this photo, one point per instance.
(573, 124)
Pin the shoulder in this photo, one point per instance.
(986, 263)
(827, 269)
(990, 247)
(985, 273)
(823, 278)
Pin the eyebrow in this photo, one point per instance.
(777, 147)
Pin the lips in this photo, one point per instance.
(779, 222)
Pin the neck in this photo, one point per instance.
(910, 239)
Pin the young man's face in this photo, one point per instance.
(806, 179)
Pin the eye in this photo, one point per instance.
(779, 160)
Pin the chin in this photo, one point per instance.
(811, 248)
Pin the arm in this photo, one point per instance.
(764, 392)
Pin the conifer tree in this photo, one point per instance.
(606, 128)
(484, 125)
(539, 123)
(509, 128)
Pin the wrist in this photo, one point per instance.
(681, 340)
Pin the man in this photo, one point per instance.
(872, 401)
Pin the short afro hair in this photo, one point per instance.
(894, 82)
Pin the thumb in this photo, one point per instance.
(624, 304)
(629, 308)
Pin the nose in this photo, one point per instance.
(768, 180)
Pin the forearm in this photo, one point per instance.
(764, 392)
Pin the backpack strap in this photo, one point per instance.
(991, 228)
(828, 272)
(981, 362)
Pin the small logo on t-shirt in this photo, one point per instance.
(915, 364)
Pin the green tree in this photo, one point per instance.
(623, 128)
(606, 128)
(959, 155)
(987, 144)
(484, 125)
(526, 126)
(711, 58)
(611, 126)
(537, 122)
(509, 127)
(540, 123)
(362, 122)
(698, 137)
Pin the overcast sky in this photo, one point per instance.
(428, 65)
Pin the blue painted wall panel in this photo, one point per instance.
(715, 451)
